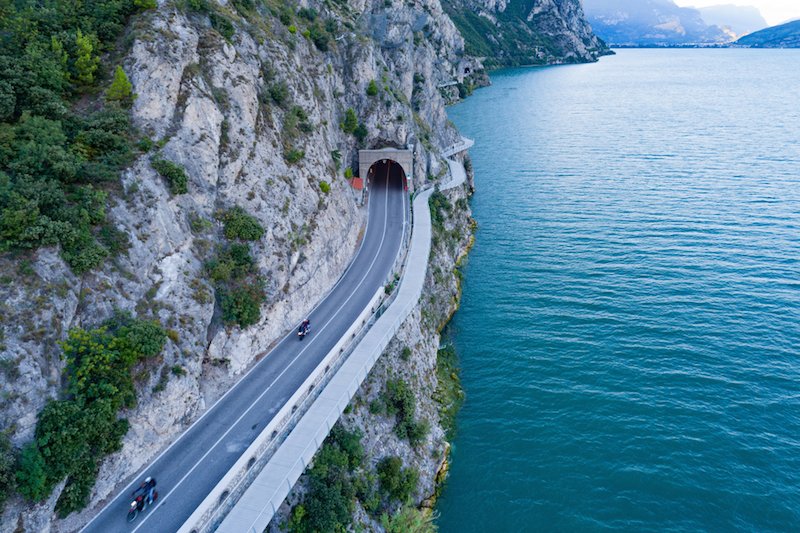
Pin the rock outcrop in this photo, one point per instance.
(525, 32)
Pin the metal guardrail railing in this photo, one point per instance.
(453, 149)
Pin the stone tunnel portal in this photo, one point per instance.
(389, 172)
(392, 159)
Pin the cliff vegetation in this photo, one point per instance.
(175, 194)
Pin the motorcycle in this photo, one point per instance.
(303, 331)
(139, 504)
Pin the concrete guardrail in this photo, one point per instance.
(249, 495)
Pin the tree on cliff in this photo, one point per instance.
(121, 89)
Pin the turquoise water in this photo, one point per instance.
(630, 327)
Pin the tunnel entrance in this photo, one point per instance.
(386, 172)
(367, 159)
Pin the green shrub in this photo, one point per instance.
(324, 186)
(350, 121)
(279, 92)
(199, 224)
(416, 431)
(198, 5)
(293, 155)
(222, 24)
(372, 88)
(241, 304)
(350, 443)
(449, 394)
(409, 519)
(401, 402)
(348, 173)
(114, 240)
(174, 174)
(329, 502)
(121, 89)
(86, 60)
(240, 225)
(30, 476)
(360, 132)
(292, 29)
(146, 4)
(320, 36)
(396, 482)
(72, 435)
(82, 252)
(308, 13)
(239, 288)
(231, 263)
(377, 406)
(440, 209)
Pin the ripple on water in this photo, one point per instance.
(631, 312)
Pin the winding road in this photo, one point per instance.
(192, 466)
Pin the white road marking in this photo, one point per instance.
(360, 283)
(135, 480)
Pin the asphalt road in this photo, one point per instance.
(188, 469)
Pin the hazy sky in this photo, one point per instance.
(775, 11)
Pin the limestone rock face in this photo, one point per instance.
(221, 109)
(525, 32)
(226, 109)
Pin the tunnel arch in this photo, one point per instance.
(386, 169)
(403, 158)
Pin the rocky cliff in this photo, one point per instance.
(248, 99)
(525, 32)
(262, 106)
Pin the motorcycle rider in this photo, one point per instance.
(149, 486)
(304, 326)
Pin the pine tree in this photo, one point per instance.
(350, 121)
(61, 56)
(121, 89)
(85, 63)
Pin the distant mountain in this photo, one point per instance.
(740, 20)
(524, 32)
(650, 23)
(783, 36)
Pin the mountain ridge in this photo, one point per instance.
(740, 20)
(650, 23)
(781, 36)
(525, 32)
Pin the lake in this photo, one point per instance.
(630, 327)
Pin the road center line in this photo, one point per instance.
(269, 387)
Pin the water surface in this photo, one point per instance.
(630, 327)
